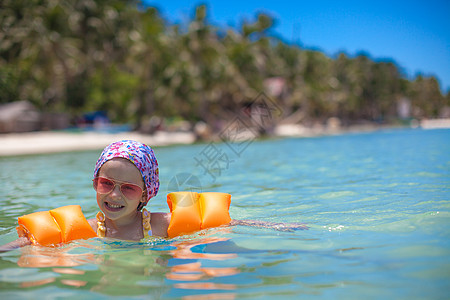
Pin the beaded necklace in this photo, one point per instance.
(146, 227)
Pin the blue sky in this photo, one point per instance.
(415, 34)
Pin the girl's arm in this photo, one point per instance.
(20, 242)
(270, 225)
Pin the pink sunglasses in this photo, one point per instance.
(104, 185)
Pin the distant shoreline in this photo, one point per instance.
(47, 142)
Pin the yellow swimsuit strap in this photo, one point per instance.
(146, 227)
(101, 228)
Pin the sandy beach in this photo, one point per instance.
(43, 142)
(54, 142)
(64, 141)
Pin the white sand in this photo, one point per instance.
(52, 142)
(435, 123)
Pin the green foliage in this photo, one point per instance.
(85, 55)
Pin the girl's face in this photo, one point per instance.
(115, 205)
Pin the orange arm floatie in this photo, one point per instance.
(192, 211)
(59, 225)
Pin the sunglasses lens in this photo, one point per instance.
(131, 191)
(103, 185)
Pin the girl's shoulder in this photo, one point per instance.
(160, 222)
(161, 216)
(93, 223)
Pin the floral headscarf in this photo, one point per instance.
(141, 155)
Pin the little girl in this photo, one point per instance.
(126, 177)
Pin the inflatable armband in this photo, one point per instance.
(193, 211)
(59, 225)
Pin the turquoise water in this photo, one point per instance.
(377, 206)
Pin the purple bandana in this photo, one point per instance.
(141, 156)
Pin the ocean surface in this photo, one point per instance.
(377, 208)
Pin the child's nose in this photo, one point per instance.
(116, 191)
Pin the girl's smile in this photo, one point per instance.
(113, 207)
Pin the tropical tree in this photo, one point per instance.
(124, 58)
(426, 97)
